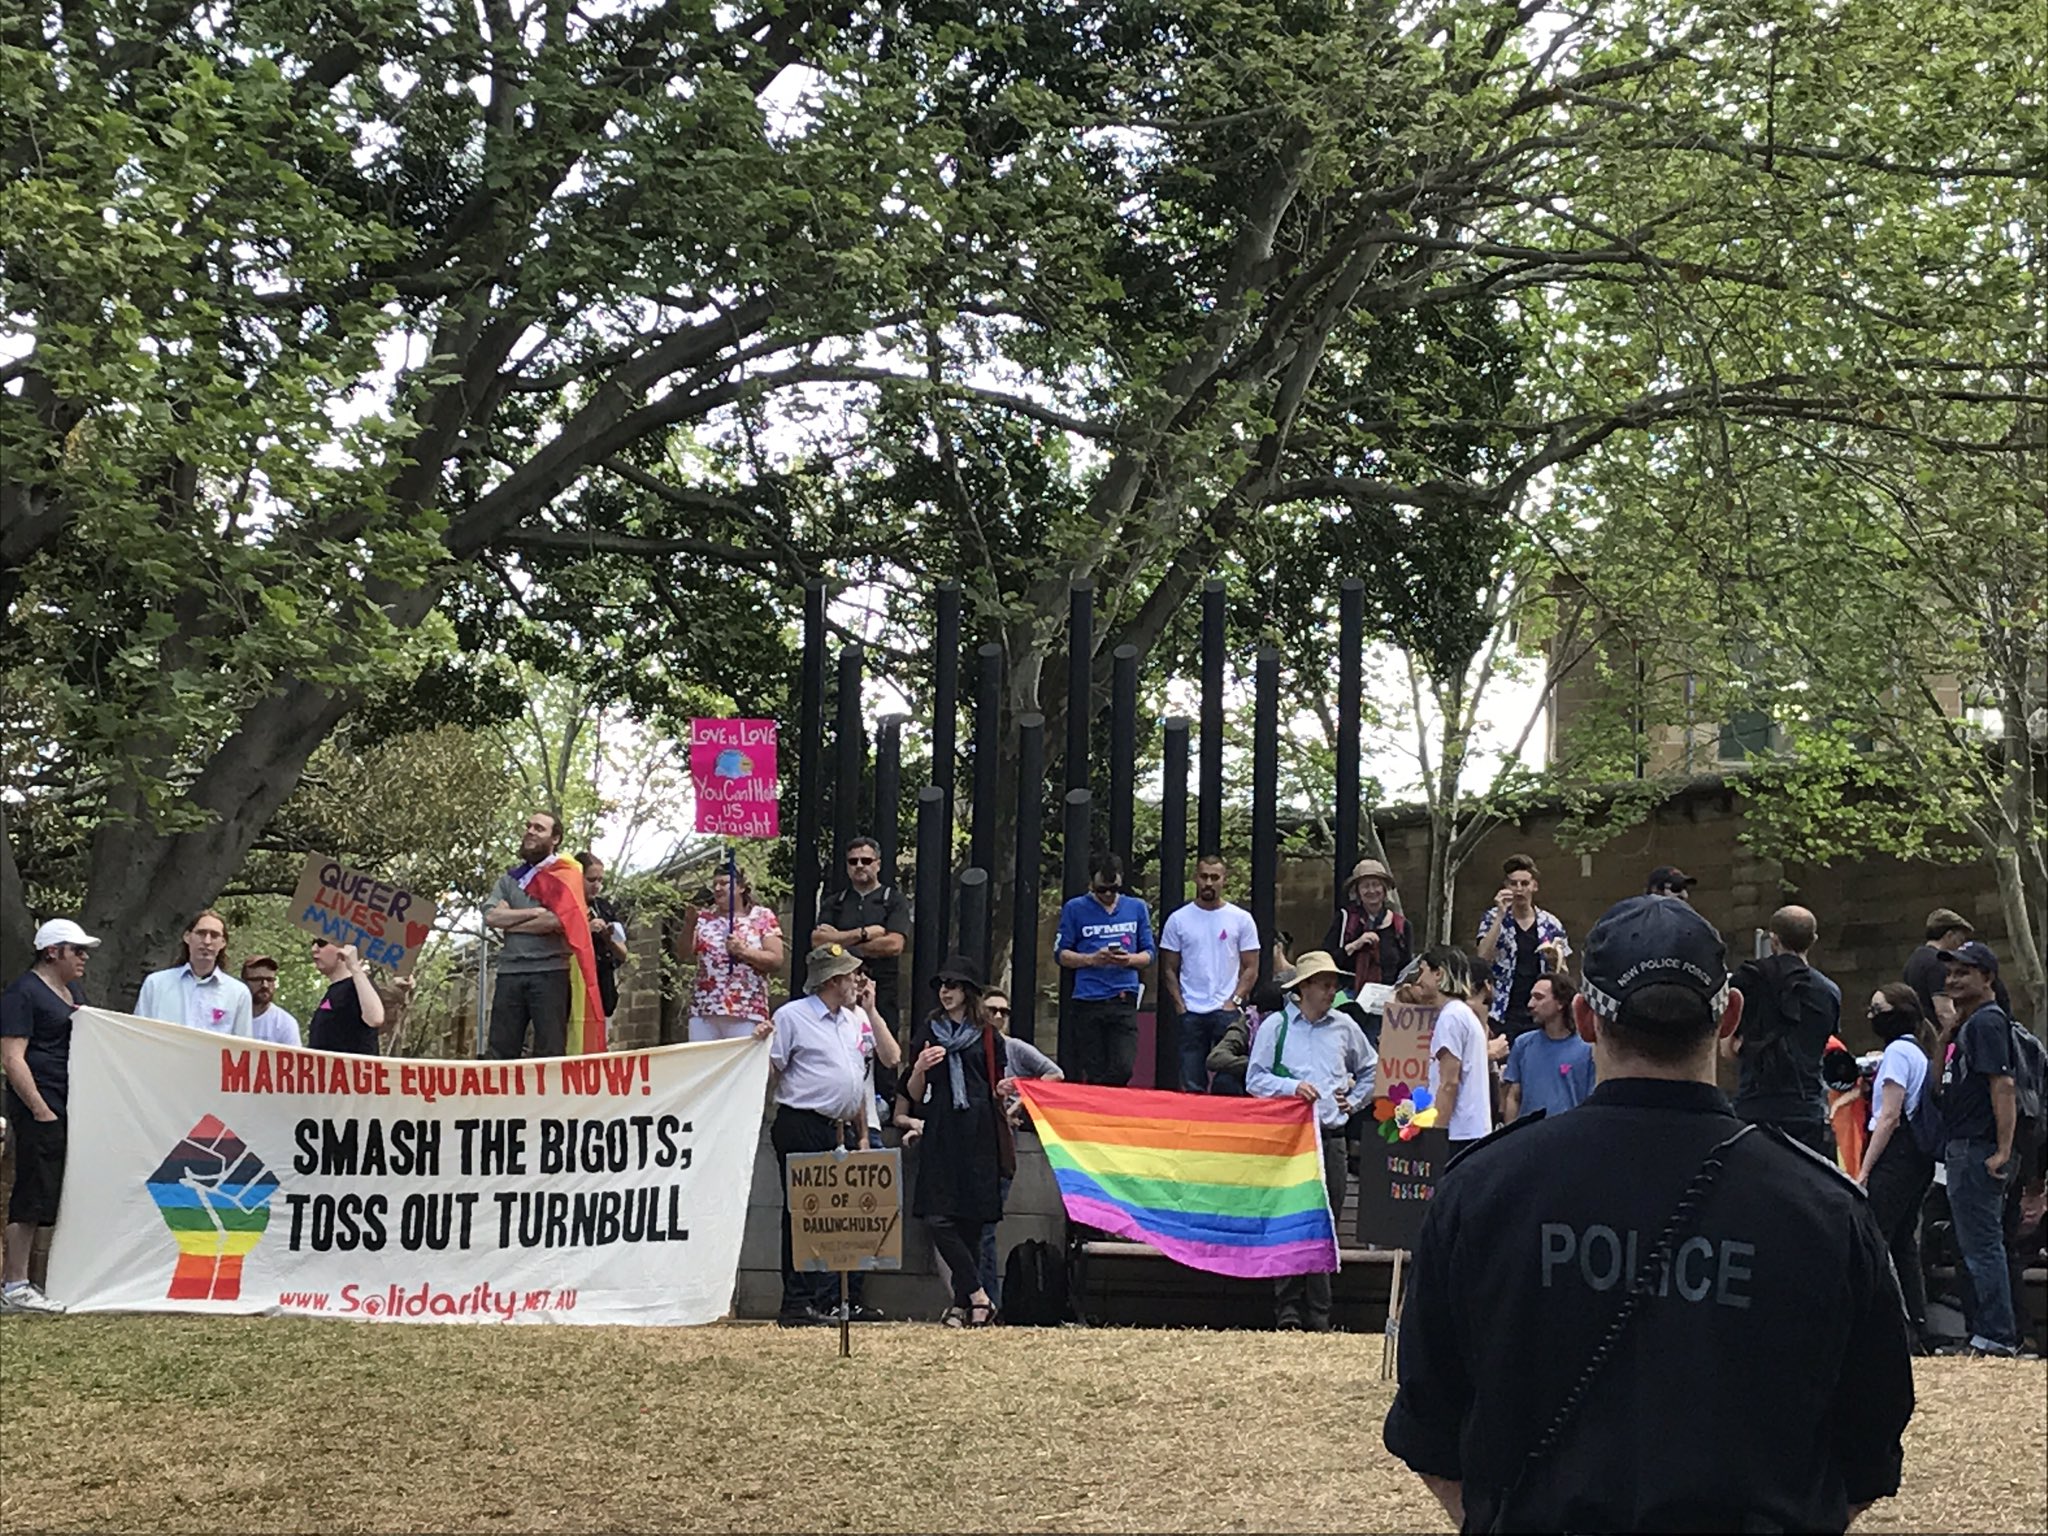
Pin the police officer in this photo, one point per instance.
(1645, 1315)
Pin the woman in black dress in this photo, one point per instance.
(966, 1149)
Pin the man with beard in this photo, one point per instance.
(533, 963)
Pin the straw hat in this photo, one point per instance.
(1316, 962)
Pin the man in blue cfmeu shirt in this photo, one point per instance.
(1105, 939)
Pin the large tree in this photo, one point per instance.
(412, 305)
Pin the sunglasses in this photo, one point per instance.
(863, 861)
(1105, 890)
(1003, 1011)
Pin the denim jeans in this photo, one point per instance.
(1199, 1034)
(991, 1271)
(1976, 1202)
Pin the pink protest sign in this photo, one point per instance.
(732, 767)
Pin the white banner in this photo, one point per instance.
(208, 1174)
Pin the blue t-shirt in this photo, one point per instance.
(1086, 926)
(1556, 1075)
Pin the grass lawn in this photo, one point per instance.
(247, 1425)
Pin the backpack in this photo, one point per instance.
(2030, 1082)
(1923, 1119)
(1035, 1285)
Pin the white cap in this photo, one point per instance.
(61, 930)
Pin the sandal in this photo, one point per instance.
(980, 1314)
(954, 1317)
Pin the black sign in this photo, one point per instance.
(1395, 1182)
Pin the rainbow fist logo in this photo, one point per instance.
(214, 1194)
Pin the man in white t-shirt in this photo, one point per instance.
(267, 1021)
(1209, 960)
(1458, 1080)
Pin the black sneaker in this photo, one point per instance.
(866, 1314)
(810, 1317)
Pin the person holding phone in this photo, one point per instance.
(1105, 939)
(1518, 942)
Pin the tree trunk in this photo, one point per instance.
(144, 886)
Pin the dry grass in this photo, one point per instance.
(188, 1424)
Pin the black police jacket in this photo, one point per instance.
(1764, 1384)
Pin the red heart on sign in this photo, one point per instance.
(415, 934)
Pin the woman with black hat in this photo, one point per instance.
(966, 1148)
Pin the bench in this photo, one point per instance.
(1128, 1284)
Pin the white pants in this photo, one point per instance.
(719, 1029)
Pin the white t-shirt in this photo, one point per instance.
(1459, 1031)
(1903, 1063)
(276, 1026)
(1208, 942)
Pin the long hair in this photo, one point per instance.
(1453, 967)
(185, 950)
(1905, 1018)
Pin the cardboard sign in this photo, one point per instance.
(387, 924)
(732, 769)
(1405, 1029)
(1395, 1182)
(846, 1210)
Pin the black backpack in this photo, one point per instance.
(1035, 1285)
(2030, 1083)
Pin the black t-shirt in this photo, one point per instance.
(1787, 1016)
(881, 908)
(338, 1022)
(607, 963)
(1528, 971)
(1927, 974)
(1783, 1281)
(1983, 1050)
(30, 1011)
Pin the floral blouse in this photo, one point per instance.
(727, 987)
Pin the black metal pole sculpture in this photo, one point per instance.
(1210, 815)
(1173, 873)
(928, 931)
(1350, 695)
(945, 733)
(887, 818)
(1265, 794)
(1080, 807)
(1080, 658)
(1024, 889)
(988, 749)
(973, 923)
(810, 764)
(851, 739)
(1123, 754)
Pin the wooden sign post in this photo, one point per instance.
(845, 1214)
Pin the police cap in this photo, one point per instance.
(1648, 941)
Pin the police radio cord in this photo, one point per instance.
(1646, 1276)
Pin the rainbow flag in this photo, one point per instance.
(1232, 1186)
(556, 882)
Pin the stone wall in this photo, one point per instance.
(1871, 910)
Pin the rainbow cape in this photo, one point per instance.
(1232, 1186)
(556, 882)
